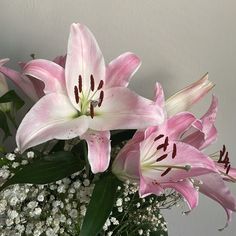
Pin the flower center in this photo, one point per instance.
(158, 152)
(88, 100)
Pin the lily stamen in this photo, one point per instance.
(101, 96)
(80, 83)
(76, 92)
(92, 83)
(101, 83)
(91, 110)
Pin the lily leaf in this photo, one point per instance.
(100, 205)
(11, 96)
(4, 125)
(46, 169)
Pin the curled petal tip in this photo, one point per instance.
(187, 97)
(4, 61)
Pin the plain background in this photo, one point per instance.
(178, 42)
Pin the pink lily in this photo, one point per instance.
(201, 134)
(86, 99)
(156, 159)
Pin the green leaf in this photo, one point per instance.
(4, 125)
(11, 96)
(121, 135)
(100, 205)
(47, 169)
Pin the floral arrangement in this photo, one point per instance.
(95, 158)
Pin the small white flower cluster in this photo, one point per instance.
(53, 209)
(59, 208)
(132, 214)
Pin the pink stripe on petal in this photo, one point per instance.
(120, 70)
(84, 58)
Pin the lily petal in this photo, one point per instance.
(159, 96)
(147, 188)
(123, 109)
(214, 187)
(84, 58)
(50, 73)
(187, 97)
(24, 84)
(186, 189)
(60, 60)
(98, 149)
(53, 116)
(204, 132)
(120, 70)
(178, 124)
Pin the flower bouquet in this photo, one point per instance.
(95, 158)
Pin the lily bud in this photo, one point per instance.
(4, 89)
(187, 97)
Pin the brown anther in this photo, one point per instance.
(76, 92)
(228, 169)
(161, 157)
(159, 137)
(101, 96)
(91, 110)
(164, 145)
(80, 83)
(166, 171)
(100, 84)
(91, 83)
(174, 152)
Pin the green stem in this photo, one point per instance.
(85, 152)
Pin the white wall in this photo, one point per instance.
(178, 42)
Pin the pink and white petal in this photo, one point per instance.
(204, 131)
(123, 109)
(84, 58)
(99, 149)
(148, 187)
(60, 60)
(214, 187)
(187, 97)
(52, 117)
(25, 85)
(159, 97)
(3, 85)
(4, 61)
(120, 70)
(50, 73)
(186, 189)
(178, 124)
(127, 164)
